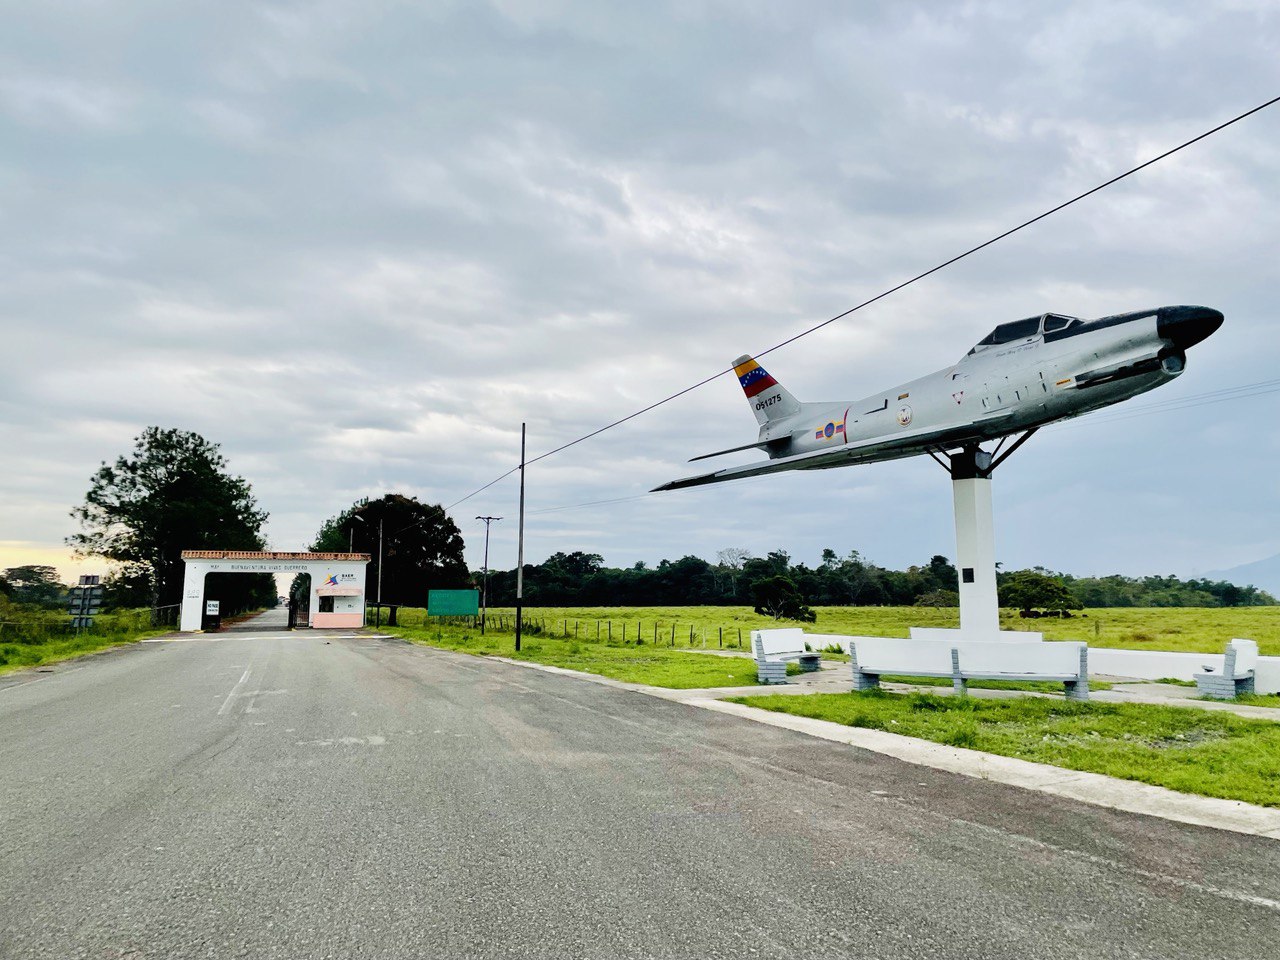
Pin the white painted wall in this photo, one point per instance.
(1156, 664)
(1138, 664)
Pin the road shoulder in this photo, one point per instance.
(1092, 788)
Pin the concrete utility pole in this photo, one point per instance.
(520, 550)
(484, 593)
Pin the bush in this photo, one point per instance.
(778, 597)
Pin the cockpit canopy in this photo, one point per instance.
(1025, 330)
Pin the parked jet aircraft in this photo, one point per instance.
(1018, 378)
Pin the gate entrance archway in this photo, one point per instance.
(337, 582)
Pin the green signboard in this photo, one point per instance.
(453, 603)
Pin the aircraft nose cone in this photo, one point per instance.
(1187, 326)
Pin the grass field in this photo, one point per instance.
(1194, 751)
(1188, 629)
(110, 630)
(659, 666)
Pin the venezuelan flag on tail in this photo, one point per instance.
(754, 378)
(769, 400)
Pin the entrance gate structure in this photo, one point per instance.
(337, 582)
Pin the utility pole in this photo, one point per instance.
(391, 619)
(520, 549)
(351, 548)
(484, 593)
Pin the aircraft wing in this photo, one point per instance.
(905, 444)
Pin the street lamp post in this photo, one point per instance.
(484, 593)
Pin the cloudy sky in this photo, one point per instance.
(358, 243)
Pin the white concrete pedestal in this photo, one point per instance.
(976, 555)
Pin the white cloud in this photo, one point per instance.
(357, 245)
(56, 101)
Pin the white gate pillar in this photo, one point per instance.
(316, 579)
(192, 596)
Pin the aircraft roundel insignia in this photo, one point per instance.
(904, 415)
(829, 430)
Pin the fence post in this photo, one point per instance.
(624, 633)
(739, 638)
(611, 631)
(673, 635)
(722, 638)
(691, 634)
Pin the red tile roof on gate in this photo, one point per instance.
(269, 555)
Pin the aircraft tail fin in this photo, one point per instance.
(769, 400)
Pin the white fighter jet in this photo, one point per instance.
(1018, 378)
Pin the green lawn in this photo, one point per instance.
(1258, 700)
(1189, 629)
(1214, 754)
(655, 666)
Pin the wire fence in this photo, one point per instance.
(657, 632)
(42, 626)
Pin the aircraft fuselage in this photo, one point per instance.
(1023, 375)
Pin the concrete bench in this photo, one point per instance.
(774, 649)
(1065, 663)
(1237, 676)
(871, 657)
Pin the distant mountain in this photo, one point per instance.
(1264, 574)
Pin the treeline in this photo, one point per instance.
(1118, 591)
(582, 579)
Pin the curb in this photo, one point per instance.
(1097, 789)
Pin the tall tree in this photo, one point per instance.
(778, 597)
(34, 584)
(172, 494)
(1028, 590)
(421, 547)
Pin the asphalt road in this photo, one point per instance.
(304, 796)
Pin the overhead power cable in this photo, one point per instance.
(1208, 398)
(1182, 403)
(890, 291)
